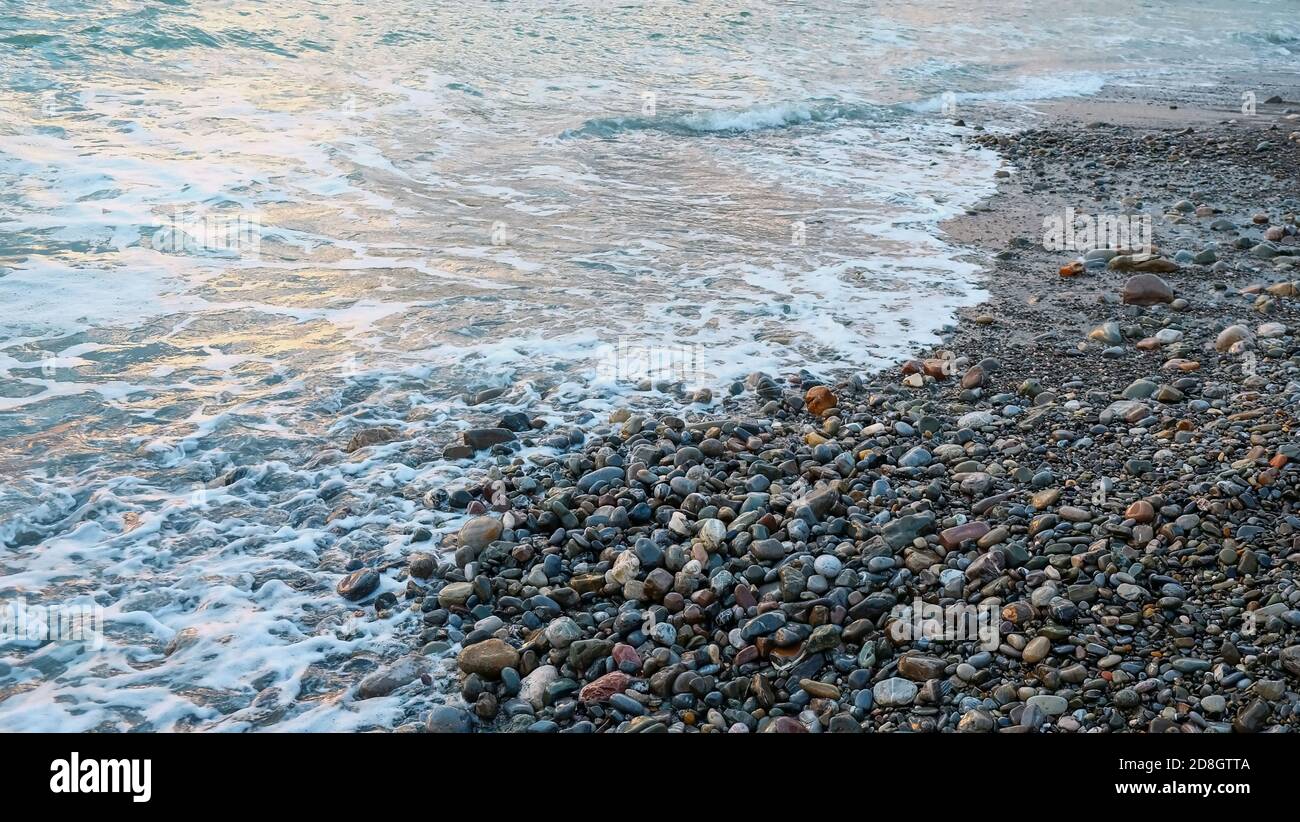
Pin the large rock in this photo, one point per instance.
(767, 550)
(820, 399)
(455, 594)
(1129, 410)
(712, 532)
(976, 419)
(1107, 333)
(1230, 336)
(1146, 289)
(1037, 650)
(478, 532)
(1290, 659)
(483, 438)
(488, 658)
(819, 500)
(586, 651)
(563, 631)
(359, 584)
(1049, 704)
(658, 583)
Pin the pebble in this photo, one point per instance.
(894, 692)
(1049, 704)
(359, 584)
(446, 719)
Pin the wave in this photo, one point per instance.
(731, 122)
(1027, 90)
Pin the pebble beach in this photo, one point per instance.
(1097, 471)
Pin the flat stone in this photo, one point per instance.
(386, 680)
(950, 538)
(921, 668)
(820, 690)
(900, 532)
(763, 625)
(1049, 704)
(601, 689)
(601, 476)
(894, 692)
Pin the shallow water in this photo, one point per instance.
(231, 233)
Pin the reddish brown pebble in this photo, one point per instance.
(626, 654)
(958, 534)
(600, 690)
(820, 399)
(1140, 511)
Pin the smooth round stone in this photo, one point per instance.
(445, 719)
(478, 532)
(1214, 704)
(828, 565)
(877, 565)
(1037, 649)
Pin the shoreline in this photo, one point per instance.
(1127, 514)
